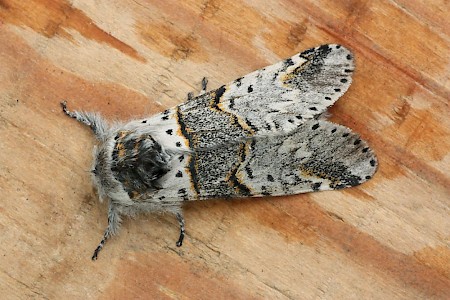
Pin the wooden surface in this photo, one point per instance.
(386, 239)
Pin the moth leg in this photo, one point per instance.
(204, 84)
(181, 222)
(190, 95)
(93, 120)
(106, 235)
(113, 226)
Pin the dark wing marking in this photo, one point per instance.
(318, 155)
(275, 99)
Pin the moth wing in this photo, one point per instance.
(275, 99)
(298, 88)
(319, 155)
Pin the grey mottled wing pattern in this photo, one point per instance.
(259, 135)
(318, 155)
(275, 99)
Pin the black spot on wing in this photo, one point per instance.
(288, 62)
(316, 186)
(264, 191)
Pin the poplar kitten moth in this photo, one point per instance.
(264, 134)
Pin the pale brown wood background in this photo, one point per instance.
(386, 239)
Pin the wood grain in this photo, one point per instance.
(386, 239)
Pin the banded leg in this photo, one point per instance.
(106, 235)
(181, 222)
(113, 226)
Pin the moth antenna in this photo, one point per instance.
(93, 120)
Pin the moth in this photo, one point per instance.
(264, 134)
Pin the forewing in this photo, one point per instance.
(318, 155)
(275, 99)
(283, 95)
(229, 142)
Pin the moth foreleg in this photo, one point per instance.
(181, 222)
(100, 245)
(190, 96)
(113, 226)
(204, 84)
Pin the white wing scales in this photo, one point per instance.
(275, 99)
(281, 96)
(318, 156)
(259, 135)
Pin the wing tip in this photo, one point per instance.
(355, 155)
(366, 167)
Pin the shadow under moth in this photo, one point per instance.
(264, 134)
